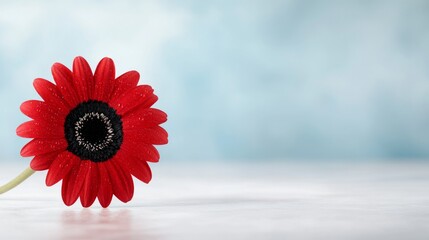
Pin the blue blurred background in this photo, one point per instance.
(241, 80)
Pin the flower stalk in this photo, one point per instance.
(17, 180)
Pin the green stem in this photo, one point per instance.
(17, 180)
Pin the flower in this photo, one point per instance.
(93, 131)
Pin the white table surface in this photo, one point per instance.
(234, 201)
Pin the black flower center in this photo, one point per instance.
(93, 131)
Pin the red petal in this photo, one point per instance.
(91, 185)
(141, 151)
(140, 170)
(154, 135)
(64, 79)
(60, 167)
(83, 78)
(143, 118)
(43, 112)
(122, 182)
(139, 96)
(105, 192)
(104, 79)
(35, 129)
(50, 93)
(137, 167)
(73, 182)
(124, 83)
(43, 161)
(42, 146)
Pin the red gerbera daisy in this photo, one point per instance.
(93, 131)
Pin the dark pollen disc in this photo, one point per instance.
(93, 131)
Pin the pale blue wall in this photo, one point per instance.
(242, 79)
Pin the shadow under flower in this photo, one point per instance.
(101, 224)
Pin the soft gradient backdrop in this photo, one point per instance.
(241, 80)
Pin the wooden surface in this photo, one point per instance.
(235, 201)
